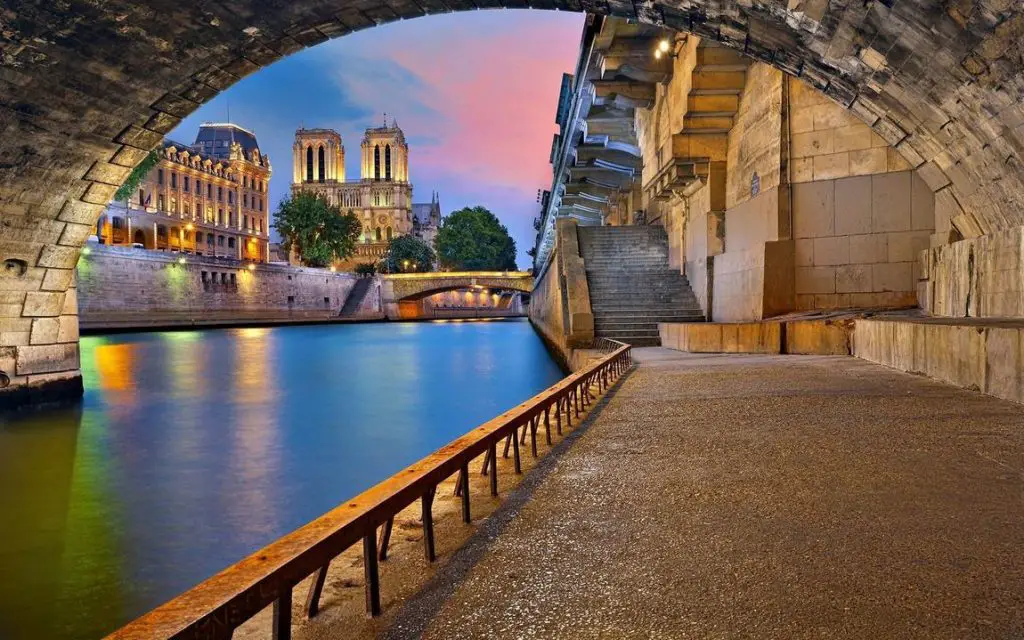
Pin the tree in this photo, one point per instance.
(319, 232)
(473, 239)
(138, 174)
(408, 254)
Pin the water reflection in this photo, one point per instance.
(193, 449)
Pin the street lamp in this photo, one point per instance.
(664, 46)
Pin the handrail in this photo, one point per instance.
(218, 605)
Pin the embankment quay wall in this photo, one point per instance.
(134, 288)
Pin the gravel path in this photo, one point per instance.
(730, 496)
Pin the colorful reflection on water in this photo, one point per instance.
(190, 450)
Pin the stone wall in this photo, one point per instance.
(117, 284)
(980, 277)
(560, 303)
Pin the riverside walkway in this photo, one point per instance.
(751, 496)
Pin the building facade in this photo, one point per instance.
(208, 198)
(382, 196)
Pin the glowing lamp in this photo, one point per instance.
(181, 260)
(86, 251)
(252, 267)
(664, 46)
(657, 55)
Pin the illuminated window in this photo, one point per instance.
(376, 162)
(309, 164)
(387, 162)
(322, 164)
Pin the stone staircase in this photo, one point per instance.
(632, 288)
(355, 297)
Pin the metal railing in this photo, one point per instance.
(216, 607)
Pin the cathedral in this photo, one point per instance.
(382, 196)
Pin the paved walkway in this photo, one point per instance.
(755, 496)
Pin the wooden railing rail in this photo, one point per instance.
(218, 605)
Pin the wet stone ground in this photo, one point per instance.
(730, 496)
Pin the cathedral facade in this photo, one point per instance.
(382, 196)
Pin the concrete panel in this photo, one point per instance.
(890, 202)
(853, 206)
(813, 209)
(869, 248)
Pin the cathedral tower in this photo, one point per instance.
(317, 156)
(385, 154)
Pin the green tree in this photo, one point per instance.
(138, 174)
(319, 232)
(408, 254)
(473, 239)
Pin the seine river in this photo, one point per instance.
(193, 449)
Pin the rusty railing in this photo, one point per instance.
(218, 605)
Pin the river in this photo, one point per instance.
(192, 449)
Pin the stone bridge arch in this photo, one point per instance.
(88, 89)
(396, 288)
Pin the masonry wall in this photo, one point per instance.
(116, 284)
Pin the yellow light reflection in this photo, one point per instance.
(114, 363)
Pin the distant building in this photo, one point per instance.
(208, 198)
(381, 198)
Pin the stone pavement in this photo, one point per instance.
(722, 496)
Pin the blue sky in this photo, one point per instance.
(474, 92)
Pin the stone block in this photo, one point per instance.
(47, 359)
(814, 143)
(819, 337)
(81, 212)
(43, 304)
(59, 257)
(894, 160)
(853, 278)
(868, 161)
(815, 280)
(44, 330)
(74, 235)
(70, 302)
(68, 330)
(802, 169)
(804, 252)
(853, 137)
(832, 165)
(57, 279)
(933, 176)
(1004, 363)
(828, 115)
(869, 248)
(904, 246)
(831, 250)
(922, 204)
(890, 202)
(853, 205)
(814, 209)
(801, 120)
(895, 276)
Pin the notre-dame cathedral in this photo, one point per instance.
(381, 197)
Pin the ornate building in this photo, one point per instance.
(382, 196)
(208, 198)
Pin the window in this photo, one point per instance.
(245, 200)
(203, 276)
(261, 204)
(174, 205)
(185, 182)
(199, 188)
(231, 243)
(160, 202)
(376, 162)
(321, 163)
(245, 181)
(220, 216)
(309, 164)
(116, 222)
(209, 239)
(231, 197)
(220, 241)
(209, 190)
(159, 176)
(389, 234)
(187, 209)
(387, 162)
(233, 279)
(259, 224)
(220, 194)
(378, 234)
(291, 300)
(327, 301)
(223, 278)
(245, 222)
(174, 180)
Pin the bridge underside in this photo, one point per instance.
(88, 89)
